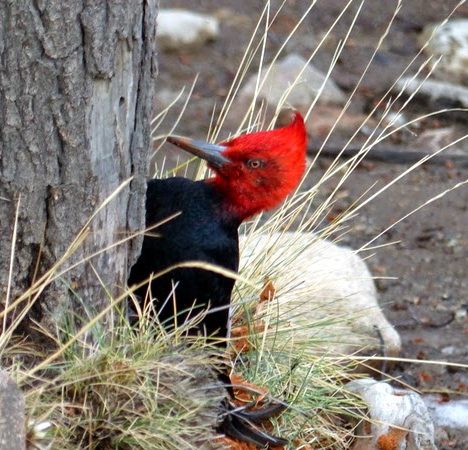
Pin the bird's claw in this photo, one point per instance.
(259, 415)
(238, 423)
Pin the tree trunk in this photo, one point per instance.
(76, 96)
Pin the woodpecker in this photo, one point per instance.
(252, 173)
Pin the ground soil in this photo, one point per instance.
(428, 299)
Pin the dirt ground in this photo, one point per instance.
(428, 299)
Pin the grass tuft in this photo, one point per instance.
(136, 389)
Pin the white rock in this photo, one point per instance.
(449, 351)
(324, 293)
(282, 75)
(452, 414)
(397, 416)
(394, 119)
(179, 28)
(435, 91)
(451, 42)
(434, 139)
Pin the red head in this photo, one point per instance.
(255, 172)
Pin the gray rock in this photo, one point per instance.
(451, 42)
(12, 415)
(397, 416)
(432, 140)
(452, 415)
(449, 350)
(282, 75)
(447, 94)
(179, 29)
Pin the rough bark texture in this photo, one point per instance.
(76, 96)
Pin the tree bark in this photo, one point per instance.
(76, 97)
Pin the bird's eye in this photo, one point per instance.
(255, 163)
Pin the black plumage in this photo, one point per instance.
(200, 232)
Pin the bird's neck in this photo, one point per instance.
(237, 205)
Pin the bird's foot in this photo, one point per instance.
(245, 414)
(243, 425)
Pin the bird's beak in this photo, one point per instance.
(211, 153)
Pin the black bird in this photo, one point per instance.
(253, 173)
(199, 233)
